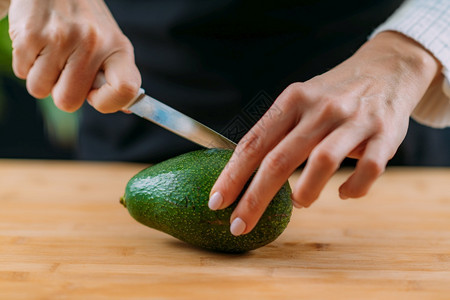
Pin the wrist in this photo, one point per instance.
(408, 53)
(400, 62)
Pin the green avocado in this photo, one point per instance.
(172, 196)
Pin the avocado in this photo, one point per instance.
(172, 196)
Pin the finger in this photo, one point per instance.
(60, 45)
(371, 165)
(123, 83)
(250, 151)
(324, 160)
(27, 32)
(45, 71)
(26, 49)
(274, 171)
(358, 151)
(75, 81)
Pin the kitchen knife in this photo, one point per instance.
(163, 115)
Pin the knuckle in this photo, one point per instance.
(374, 167)
(294, 88)
(36, 89)
(30, 32)
(88, 37)
(231, 179)
(340, 112)
(65, 102)
(294, 95)
(118, 42)
(377, 123)
(124, 42)
(252, 203)
(23, 38)
(249, 145)
(303, 197)
(88, 32)
(277, 163)
(325, 159)
(18, 68)
(334, 109)
(126, 90)
(13, 32)
(58, 37)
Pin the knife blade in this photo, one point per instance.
(165, 116)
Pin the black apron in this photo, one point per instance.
(222, 62)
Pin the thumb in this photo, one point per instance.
(123, 81)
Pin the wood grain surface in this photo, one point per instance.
(64, 235)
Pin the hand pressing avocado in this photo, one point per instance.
(172, 197)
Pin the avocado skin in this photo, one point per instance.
(172, 196)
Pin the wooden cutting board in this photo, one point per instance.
(64, 235)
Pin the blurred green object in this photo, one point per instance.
(5, 61)
(5, 48)
(61, 127)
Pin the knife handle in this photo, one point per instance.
(101, 80)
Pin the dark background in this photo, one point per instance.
(35, 129)
(23, 134)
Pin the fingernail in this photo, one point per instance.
(215, 201)
(342, 196)
(237, 227)
(297, 205)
